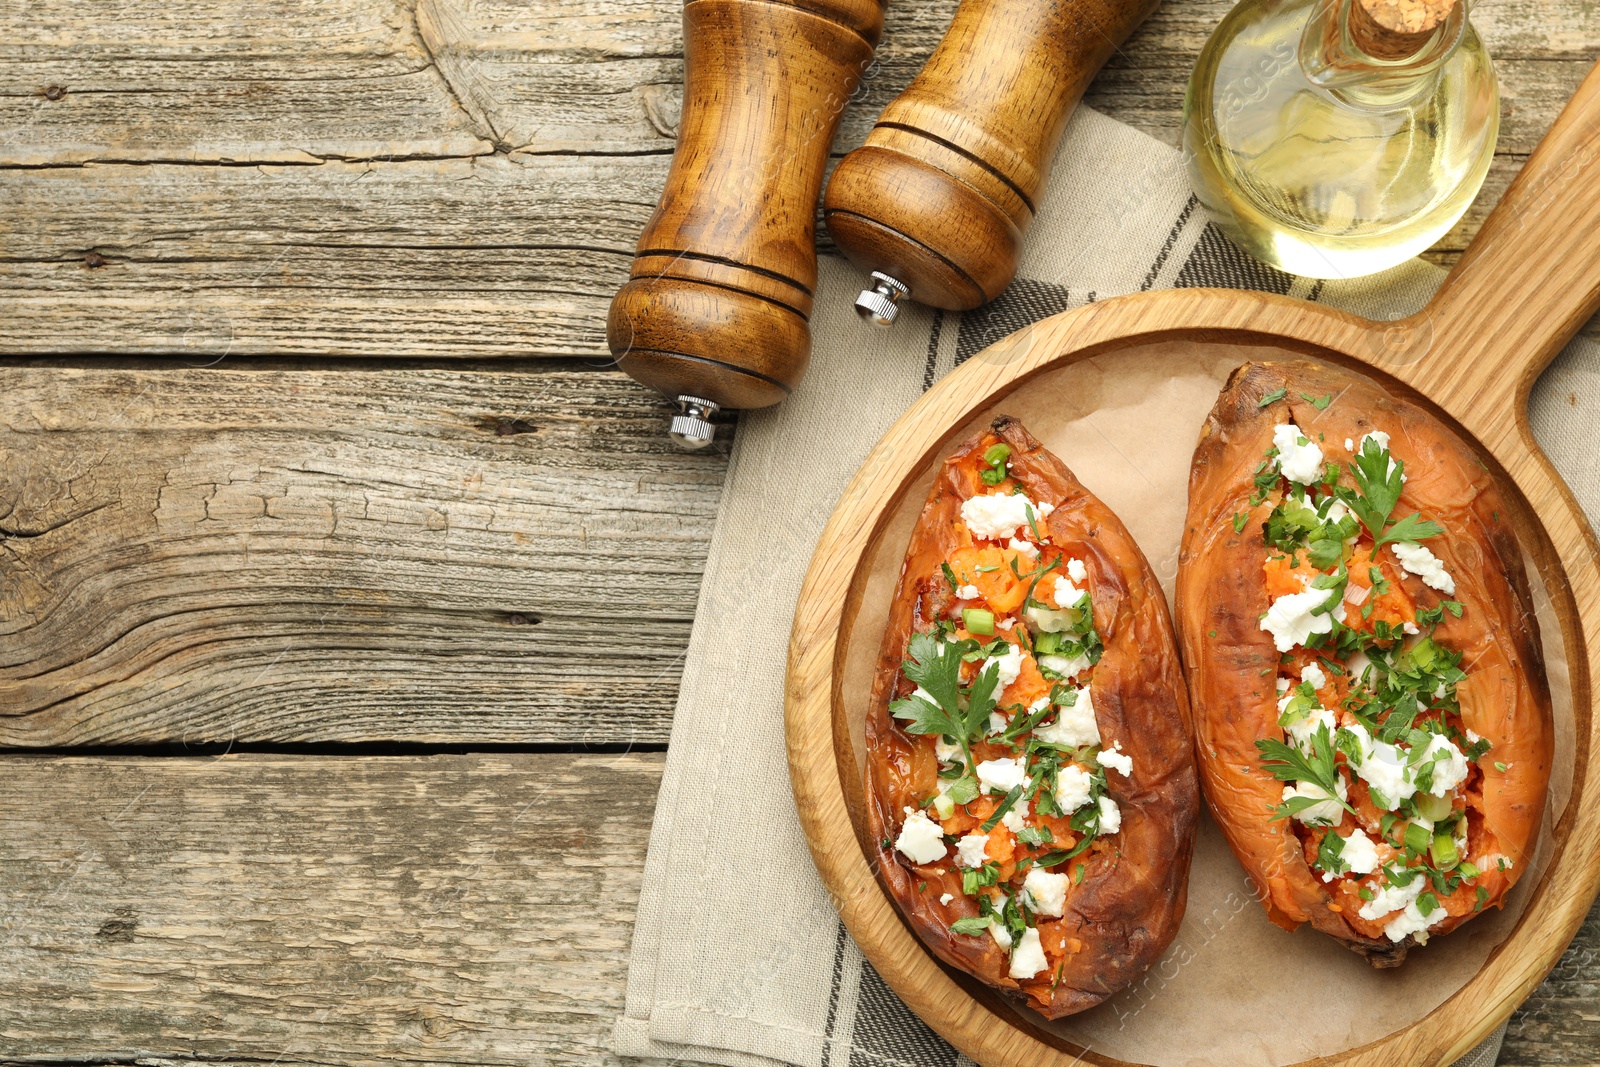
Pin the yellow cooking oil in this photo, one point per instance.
(1324, 161)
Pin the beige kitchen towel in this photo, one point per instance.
(738, 956)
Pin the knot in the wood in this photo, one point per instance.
(93, 260)
(53, 92)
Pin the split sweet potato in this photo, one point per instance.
(1372, 717)
(1030, 782)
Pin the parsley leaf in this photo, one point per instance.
(1273, 397)
(972, 924)
(1317, 766)
(936, 666)
(1411, 528)
(1330, 854)
(1319, 402)
(1377, 476)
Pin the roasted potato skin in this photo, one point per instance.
(1232, 662)
(1130, 903)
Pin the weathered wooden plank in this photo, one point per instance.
(424, 256)
(235, 553)
(440, 910)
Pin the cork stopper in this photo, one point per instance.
(1396, 29)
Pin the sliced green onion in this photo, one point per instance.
(1433, 808)
(1444, 852)
(978, 621)
(1417, 839)
(995, 455)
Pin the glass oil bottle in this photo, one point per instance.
(1337, 138)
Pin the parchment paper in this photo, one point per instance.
(1233, 988)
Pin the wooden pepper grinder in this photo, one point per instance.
(935, 204)
(715, 314)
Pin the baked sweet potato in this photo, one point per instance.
(1371, 711)
(1030, 779)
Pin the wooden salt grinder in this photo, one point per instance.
(715, 313)
(936, 202)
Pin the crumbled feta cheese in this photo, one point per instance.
(1067, 594)
(1403, 900)
(1026, 549)
(999, 515)
(1383, 767)
(1412, 921)
(1001, 775)
(1328, 811)
(969, 850)
(1305, 729)
(968, 592)
(945, 752)
(1349, 445)
(1076, 570)
(1283, 687)
(1314, 674)
(1110, 816)
(1450, 770)
(1114, 758)
(1410, 627)
(1387, 898)
(1006, 624)
(1015, 820)
(1010, 664)
(1337, 511)
(997, 723)
(1290, 622)
(921, 839)
(946, 898)
(1001, 935)
(1418, 560)
(1299, 462)
(1072, 788)
(1047, 891)
(1069, 667)
(1027, 959)
(1074, 726)
(1360, 853)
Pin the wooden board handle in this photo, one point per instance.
(721, 287)
(949, 179)
(1525, 286)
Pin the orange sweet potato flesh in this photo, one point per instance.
(1232, 662)
(1127, 907)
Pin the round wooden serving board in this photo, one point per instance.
(1119, 390)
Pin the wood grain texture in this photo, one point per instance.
(441, 910)
(506, 157)
(1473, 351)
(242, 554)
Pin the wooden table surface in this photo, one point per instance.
(343, 586)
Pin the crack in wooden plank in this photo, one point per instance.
(442, 36)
